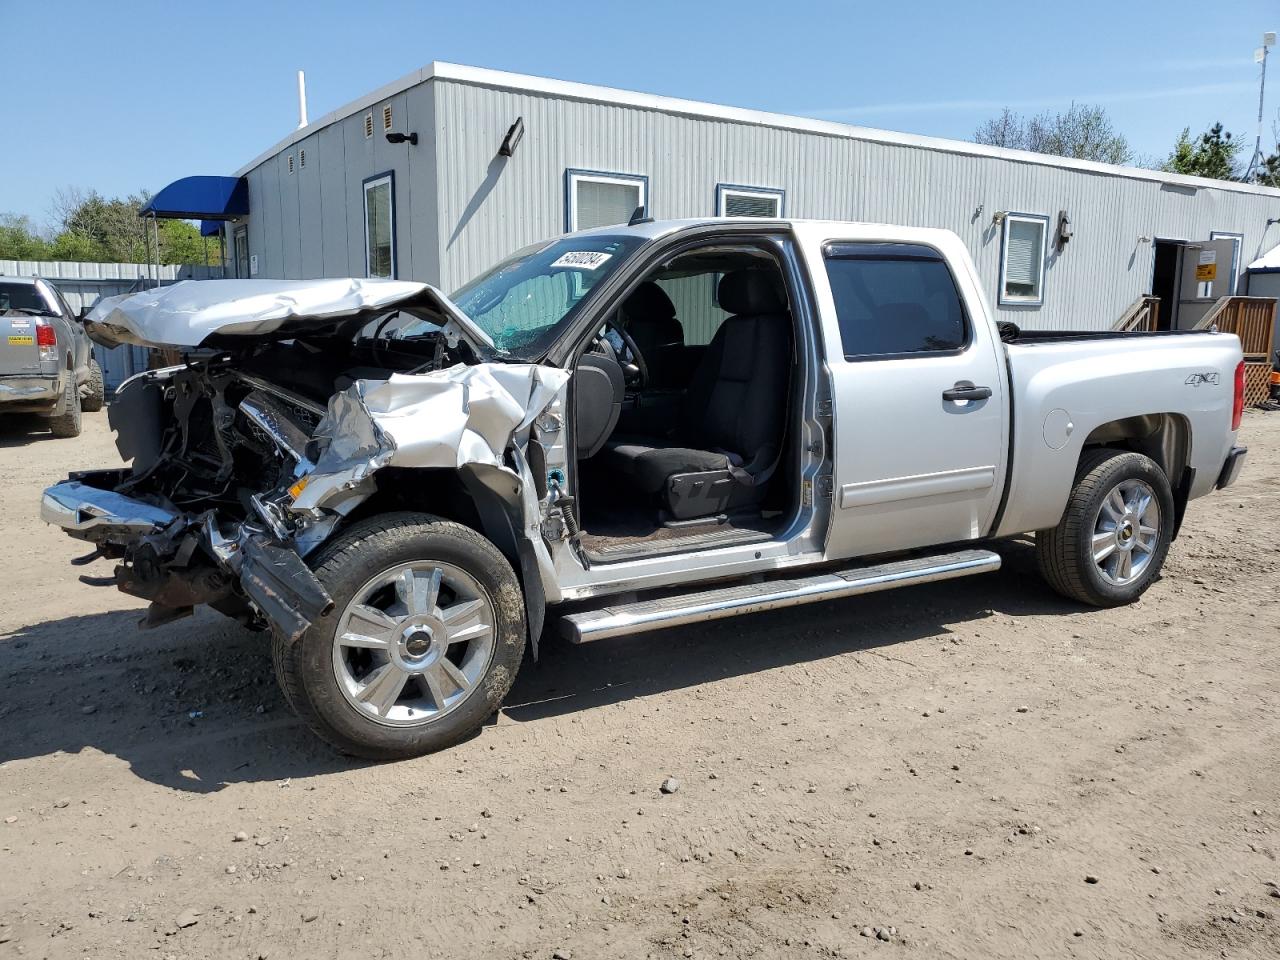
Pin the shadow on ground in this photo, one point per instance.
(194, 705)
(20, 429)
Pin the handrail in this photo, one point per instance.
(1252, 319)
(1140, 315)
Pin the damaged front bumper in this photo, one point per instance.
(178, 560)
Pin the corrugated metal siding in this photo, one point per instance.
(460, 207)
(1088, 285)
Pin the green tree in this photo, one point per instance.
(180, 242)
(1268, 172)
(1213, 154)
(1084, 132)
(91, 227)
(19, 240)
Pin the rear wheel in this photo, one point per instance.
(67, 423)
(423, 643)
(1114, 535)
(96, 398)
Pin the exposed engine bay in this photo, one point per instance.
(250, 454)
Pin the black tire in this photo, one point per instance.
(306, 671)
(1065, 552)
(96, 398)
(67, 424)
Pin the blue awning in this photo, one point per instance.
(210, 228)
(200, 198)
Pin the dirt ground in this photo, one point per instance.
(978, 769)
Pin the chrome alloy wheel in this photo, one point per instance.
(1126, 532)
(413, 642)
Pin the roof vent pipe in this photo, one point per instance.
(302, 99)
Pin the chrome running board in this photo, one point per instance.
(623, 618)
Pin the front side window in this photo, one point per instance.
(1022, 259)
(524, 302)
(894, 299)
(602, 199)
(379, 226)
(732, 201)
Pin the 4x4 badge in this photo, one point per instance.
(1196, 379)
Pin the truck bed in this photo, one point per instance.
(1032, 337)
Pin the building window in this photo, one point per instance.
(380, 226)
(1022, 259)
(594, 199)
(894, 300)
(735, 201)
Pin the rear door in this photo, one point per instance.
(1205, 276)
(19, 301)
(919, 401)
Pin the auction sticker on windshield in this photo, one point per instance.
(582, 259)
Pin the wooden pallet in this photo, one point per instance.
(1257, 381)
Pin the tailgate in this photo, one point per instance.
(19, 355)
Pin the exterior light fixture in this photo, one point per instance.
(512, 139)
(412, 138)
(1065, 230)
(998, 217)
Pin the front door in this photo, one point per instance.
(1205, 276)
(240, 240)
(919, 404)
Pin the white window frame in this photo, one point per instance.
(726, 190)
(1003, 298)
(573, 177)
(389, 178)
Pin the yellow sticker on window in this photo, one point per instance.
(21, 341)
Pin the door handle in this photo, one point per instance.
(965, 390)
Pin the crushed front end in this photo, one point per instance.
(293, 396)
(202, 515)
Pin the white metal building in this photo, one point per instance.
(487, 162)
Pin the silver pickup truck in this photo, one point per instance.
(623, 430)
(46, 361)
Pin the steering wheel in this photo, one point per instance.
(635, 358)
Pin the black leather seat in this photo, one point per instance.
(725, 447)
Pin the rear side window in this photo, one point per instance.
(894, 299)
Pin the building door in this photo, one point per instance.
(241, 244)
(1164, 281)
(1205, 275)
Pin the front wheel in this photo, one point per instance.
(424, 640)
(1114, 535)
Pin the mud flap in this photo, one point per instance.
(535, 600)
(283, 587)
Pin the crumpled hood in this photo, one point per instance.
(193, 312)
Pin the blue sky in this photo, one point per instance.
(122, 96)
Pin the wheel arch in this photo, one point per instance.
(1165, 438)
(482, 498)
